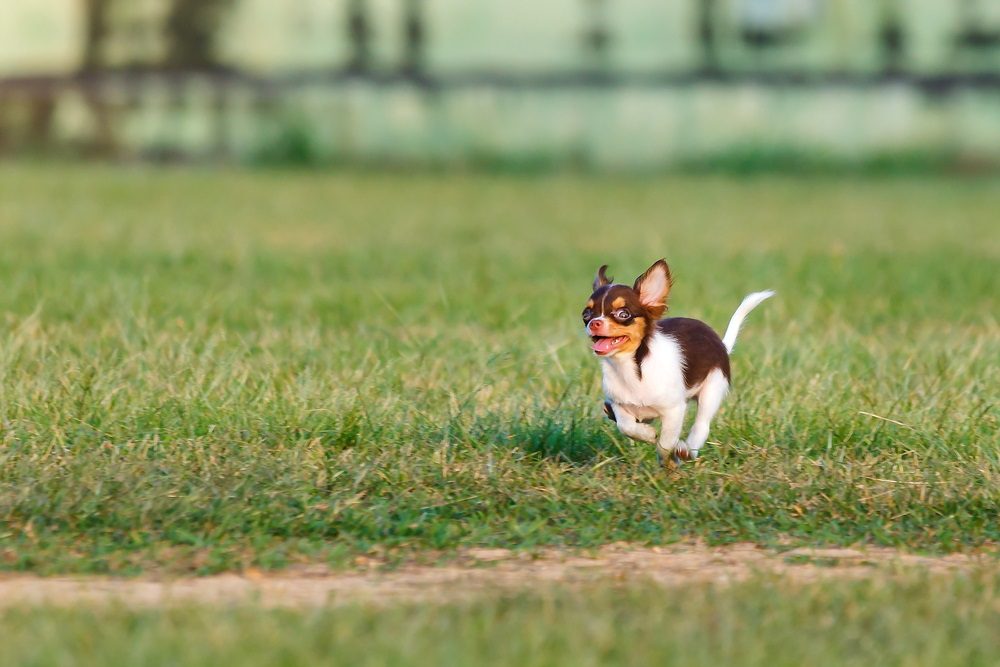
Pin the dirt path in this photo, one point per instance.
(481, 570)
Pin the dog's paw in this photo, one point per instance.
(676, 455)
(683, 453)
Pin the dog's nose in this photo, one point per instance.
(595, 325)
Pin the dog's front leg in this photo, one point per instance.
(629, 426)
(671, 423)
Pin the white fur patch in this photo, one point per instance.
(660, 394)
(662, 382)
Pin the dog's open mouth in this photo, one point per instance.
(607, 344)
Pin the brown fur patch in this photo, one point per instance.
(602, 278)
(610, 298)
(701, 347)
(636, 332)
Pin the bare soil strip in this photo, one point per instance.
(481, 571)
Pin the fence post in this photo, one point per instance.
(597, 36)
(891, 37)
(192, 30)
(707, 36)
(359, 34)
(414, 36)
(95, 32)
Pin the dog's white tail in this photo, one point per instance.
(750, 302)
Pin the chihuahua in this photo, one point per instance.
(653, 367)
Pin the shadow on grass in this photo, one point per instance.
(574, 440)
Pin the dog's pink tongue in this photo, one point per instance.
(603, 345)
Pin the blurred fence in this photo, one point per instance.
(609, 82)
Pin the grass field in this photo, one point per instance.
(205, 370)
(916, 622)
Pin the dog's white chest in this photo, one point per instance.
(662, 381)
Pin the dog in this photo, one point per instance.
(652, 367)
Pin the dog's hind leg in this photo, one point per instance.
(713, 391)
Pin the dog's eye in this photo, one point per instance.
(587, 314)
(623, 314)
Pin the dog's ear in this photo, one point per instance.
(653, 287)
(601, 280)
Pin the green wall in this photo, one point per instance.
(628, 126)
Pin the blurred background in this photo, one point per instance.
(613, 84)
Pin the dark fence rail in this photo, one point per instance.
(729, 49)
(727, 43)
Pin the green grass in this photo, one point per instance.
(203, 370)
(937, 622)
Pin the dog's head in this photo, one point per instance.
(618, 317)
